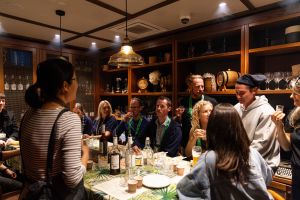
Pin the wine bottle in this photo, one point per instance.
(148, 153)
(129, 154)
(115, 158)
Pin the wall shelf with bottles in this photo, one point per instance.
(273, 51)
(208, 54)
(18, 76)
(152, 94)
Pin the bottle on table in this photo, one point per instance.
(102, 156)
(129, 154)
(148, 153)
(115, 158)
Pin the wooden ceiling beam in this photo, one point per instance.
(51, 27)
(142, 12)
(248, 4)
(107, 6)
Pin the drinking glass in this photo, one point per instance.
(196, 152)
(279, 108)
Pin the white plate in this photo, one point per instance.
(156, 181)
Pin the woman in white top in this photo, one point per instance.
(56, 86)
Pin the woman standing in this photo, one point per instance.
(229, 169)
(56, 86)
(291, 141)
(201, 112)
(105, 117)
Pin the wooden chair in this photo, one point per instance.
(275, 195)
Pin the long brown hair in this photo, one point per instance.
(227, 136)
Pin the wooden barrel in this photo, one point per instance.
(227, 78)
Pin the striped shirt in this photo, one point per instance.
(35, 135)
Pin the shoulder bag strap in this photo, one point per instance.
(51, 148)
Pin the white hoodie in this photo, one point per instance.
(260, 129)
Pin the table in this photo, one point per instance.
(101, 185)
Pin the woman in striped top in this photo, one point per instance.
(56, 86)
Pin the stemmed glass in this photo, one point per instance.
(277, 78)
(269, 77)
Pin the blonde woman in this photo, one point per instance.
(201, 112)
(289, 137)
(104, 116)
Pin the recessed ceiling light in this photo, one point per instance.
(57, 36)
(117, 37)
(94, 43)
(222, 4)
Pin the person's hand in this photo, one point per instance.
(199, 133)
(9, 141)
(277, 118)
(11, 173)
(2, 143)
(85, 136)
(179, 111)
(136, 149)
(127, 116)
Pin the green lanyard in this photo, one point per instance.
(165, 129)
(191, 104)
(130, 125)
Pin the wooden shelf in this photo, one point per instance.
(207, 57)
(152, 65)
(113, 94)
(115, 70)
(232, 92)
(275, 91)
(152, 94)
(276, 49)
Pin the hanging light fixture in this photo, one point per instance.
(60, 13)
(126, 56)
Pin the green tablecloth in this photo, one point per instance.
(99, 175)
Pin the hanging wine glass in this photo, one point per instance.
(209, 48)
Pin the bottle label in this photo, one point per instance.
(13, 86)
(6, 86)
(115, 161)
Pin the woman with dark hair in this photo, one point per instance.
(105, 117)
(55, 87)
(230, 169)
(289, 137)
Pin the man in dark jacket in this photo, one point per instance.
(8, 124)
(164, 133)
(184, 112)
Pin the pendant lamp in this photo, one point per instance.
(60, 13)
(126, 56)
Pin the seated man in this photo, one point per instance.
(164, 133)
(133, 123)
(8, 124)
(86, 122)
(8, 182)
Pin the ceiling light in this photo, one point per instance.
(93, 43)
(60, 13)
(126, 56)
(222, 4)
(117, 36)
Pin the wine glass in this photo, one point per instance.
(269, 77)
(277, 78)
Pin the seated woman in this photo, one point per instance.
(86, 122)
(230, 168)
(8, 178)
(201, 112)
(105, 116)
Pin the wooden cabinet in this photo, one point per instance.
(18, 64)
(158, 58)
